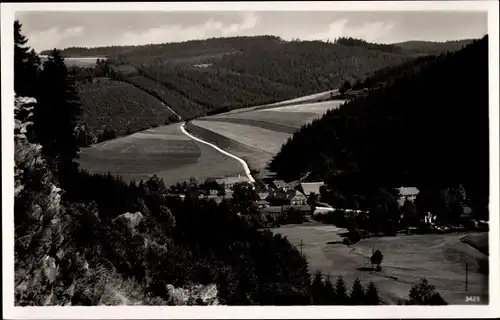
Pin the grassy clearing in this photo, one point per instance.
(165, 151)
(438, 258)
(254, 137)
(314, 98)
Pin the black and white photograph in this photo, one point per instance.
(250, 156)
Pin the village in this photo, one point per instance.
(276, 197)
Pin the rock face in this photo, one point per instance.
(131, 219)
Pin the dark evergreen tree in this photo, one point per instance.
(329, 292)
(341, 297)
(317, 287)
(357, 295)
(372, 296)
(57, 112)
(26, 64)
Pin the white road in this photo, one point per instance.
(243, 163)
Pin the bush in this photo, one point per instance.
(424, 294)
(377, 258)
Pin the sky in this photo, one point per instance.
(48, 30)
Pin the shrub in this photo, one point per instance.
(377, 258)
(425, 294)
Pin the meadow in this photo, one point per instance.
(257, 135)
(164, 151)
(77, 61)
(438, 258)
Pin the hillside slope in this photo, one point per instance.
(428, 127)
(113, 108)
(203, 77)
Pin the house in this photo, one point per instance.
(280, 184)
(309, 187)
(217, 199)
(213, 192)
(229, 182)
(286, 197)
(298, 198)
(262, 204)
(407, 193)
(263, 195)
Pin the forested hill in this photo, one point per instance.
(428, 47)
(429, 127)
(214, 75)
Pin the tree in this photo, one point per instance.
(244, 196)
(57, 113)
(346, 86)
(425, 294)
(26, 64)
(317, 287)
(328, 292)
(311, 200)
(357, 296)
(341, 297)
(377, 258)
(384, 208)
(410, 214)
(372, 296)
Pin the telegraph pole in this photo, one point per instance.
(466, 275)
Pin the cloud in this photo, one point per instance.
(176, 33)
(52, 38)
(372, 32)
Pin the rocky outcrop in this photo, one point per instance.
(194, 295)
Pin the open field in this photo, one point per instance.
(257, 135)
(317, 97)
(281, 119)
(438, 258)
(173, 156)
(254, 137)
(76, 61)
(165, 151)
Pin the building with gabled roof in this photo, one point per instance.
(407, 193)
(309, 187)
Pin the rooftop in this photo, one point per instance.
(232, 180)
(408, 191)
(310, 187)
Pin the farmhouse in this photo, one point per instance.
(298, 198)
(311, 187)
(407, 193)
(263, 195)
(262, 204)
(286, 197)
(280, 184)
(229, 182)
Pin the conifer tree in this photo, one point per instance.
(357, 296)
(57, 113)
(329, 291)
(341, 297)
(372, 296)
(317, 287)
(26, 64)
